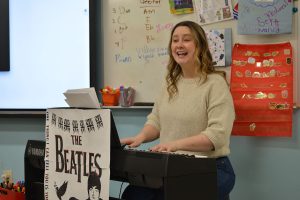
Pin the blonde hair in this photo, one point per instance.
(202, 56)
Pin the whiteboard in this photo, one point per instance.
(49, 53)
(135, 40)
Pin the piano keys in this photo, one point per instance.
(180, 176)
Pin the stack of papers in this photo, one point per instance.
(82, 98)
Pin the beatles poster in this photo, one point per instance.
(77, 155)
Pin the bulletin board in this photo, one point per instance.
(135, 39)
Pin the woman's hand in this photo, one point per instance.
(147, 134)
(132, 142)
(198, 142)
(168, 147)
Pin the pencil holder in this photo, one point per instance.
(11, 195)
(126, 97)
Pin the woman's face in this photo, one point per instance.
(183, 46)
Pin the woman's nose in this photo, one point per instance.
(179, 44)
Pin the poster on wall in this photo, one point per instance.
(209, 11)
(265, 17)
(219, 43)
(262, 89)
(77, 155)
(181, 6)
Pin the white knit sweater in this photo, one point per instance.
(198, 108)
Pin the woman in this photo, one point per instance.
(194, 113)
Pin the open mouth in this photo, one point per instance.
(181, 53)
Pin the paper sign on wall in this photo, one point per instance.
(209, 11)
(219, 43)
(77, 155)
(181, 6)
(265, 17)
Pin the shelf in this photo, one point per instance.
(131, 107)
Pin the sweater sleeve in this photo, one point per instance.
(153, 117)
(220, 111)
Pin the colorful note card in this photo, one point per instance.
(181, 6)
(265, 16)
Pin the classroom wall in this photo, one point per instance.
(132, 59)
(267, 168)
